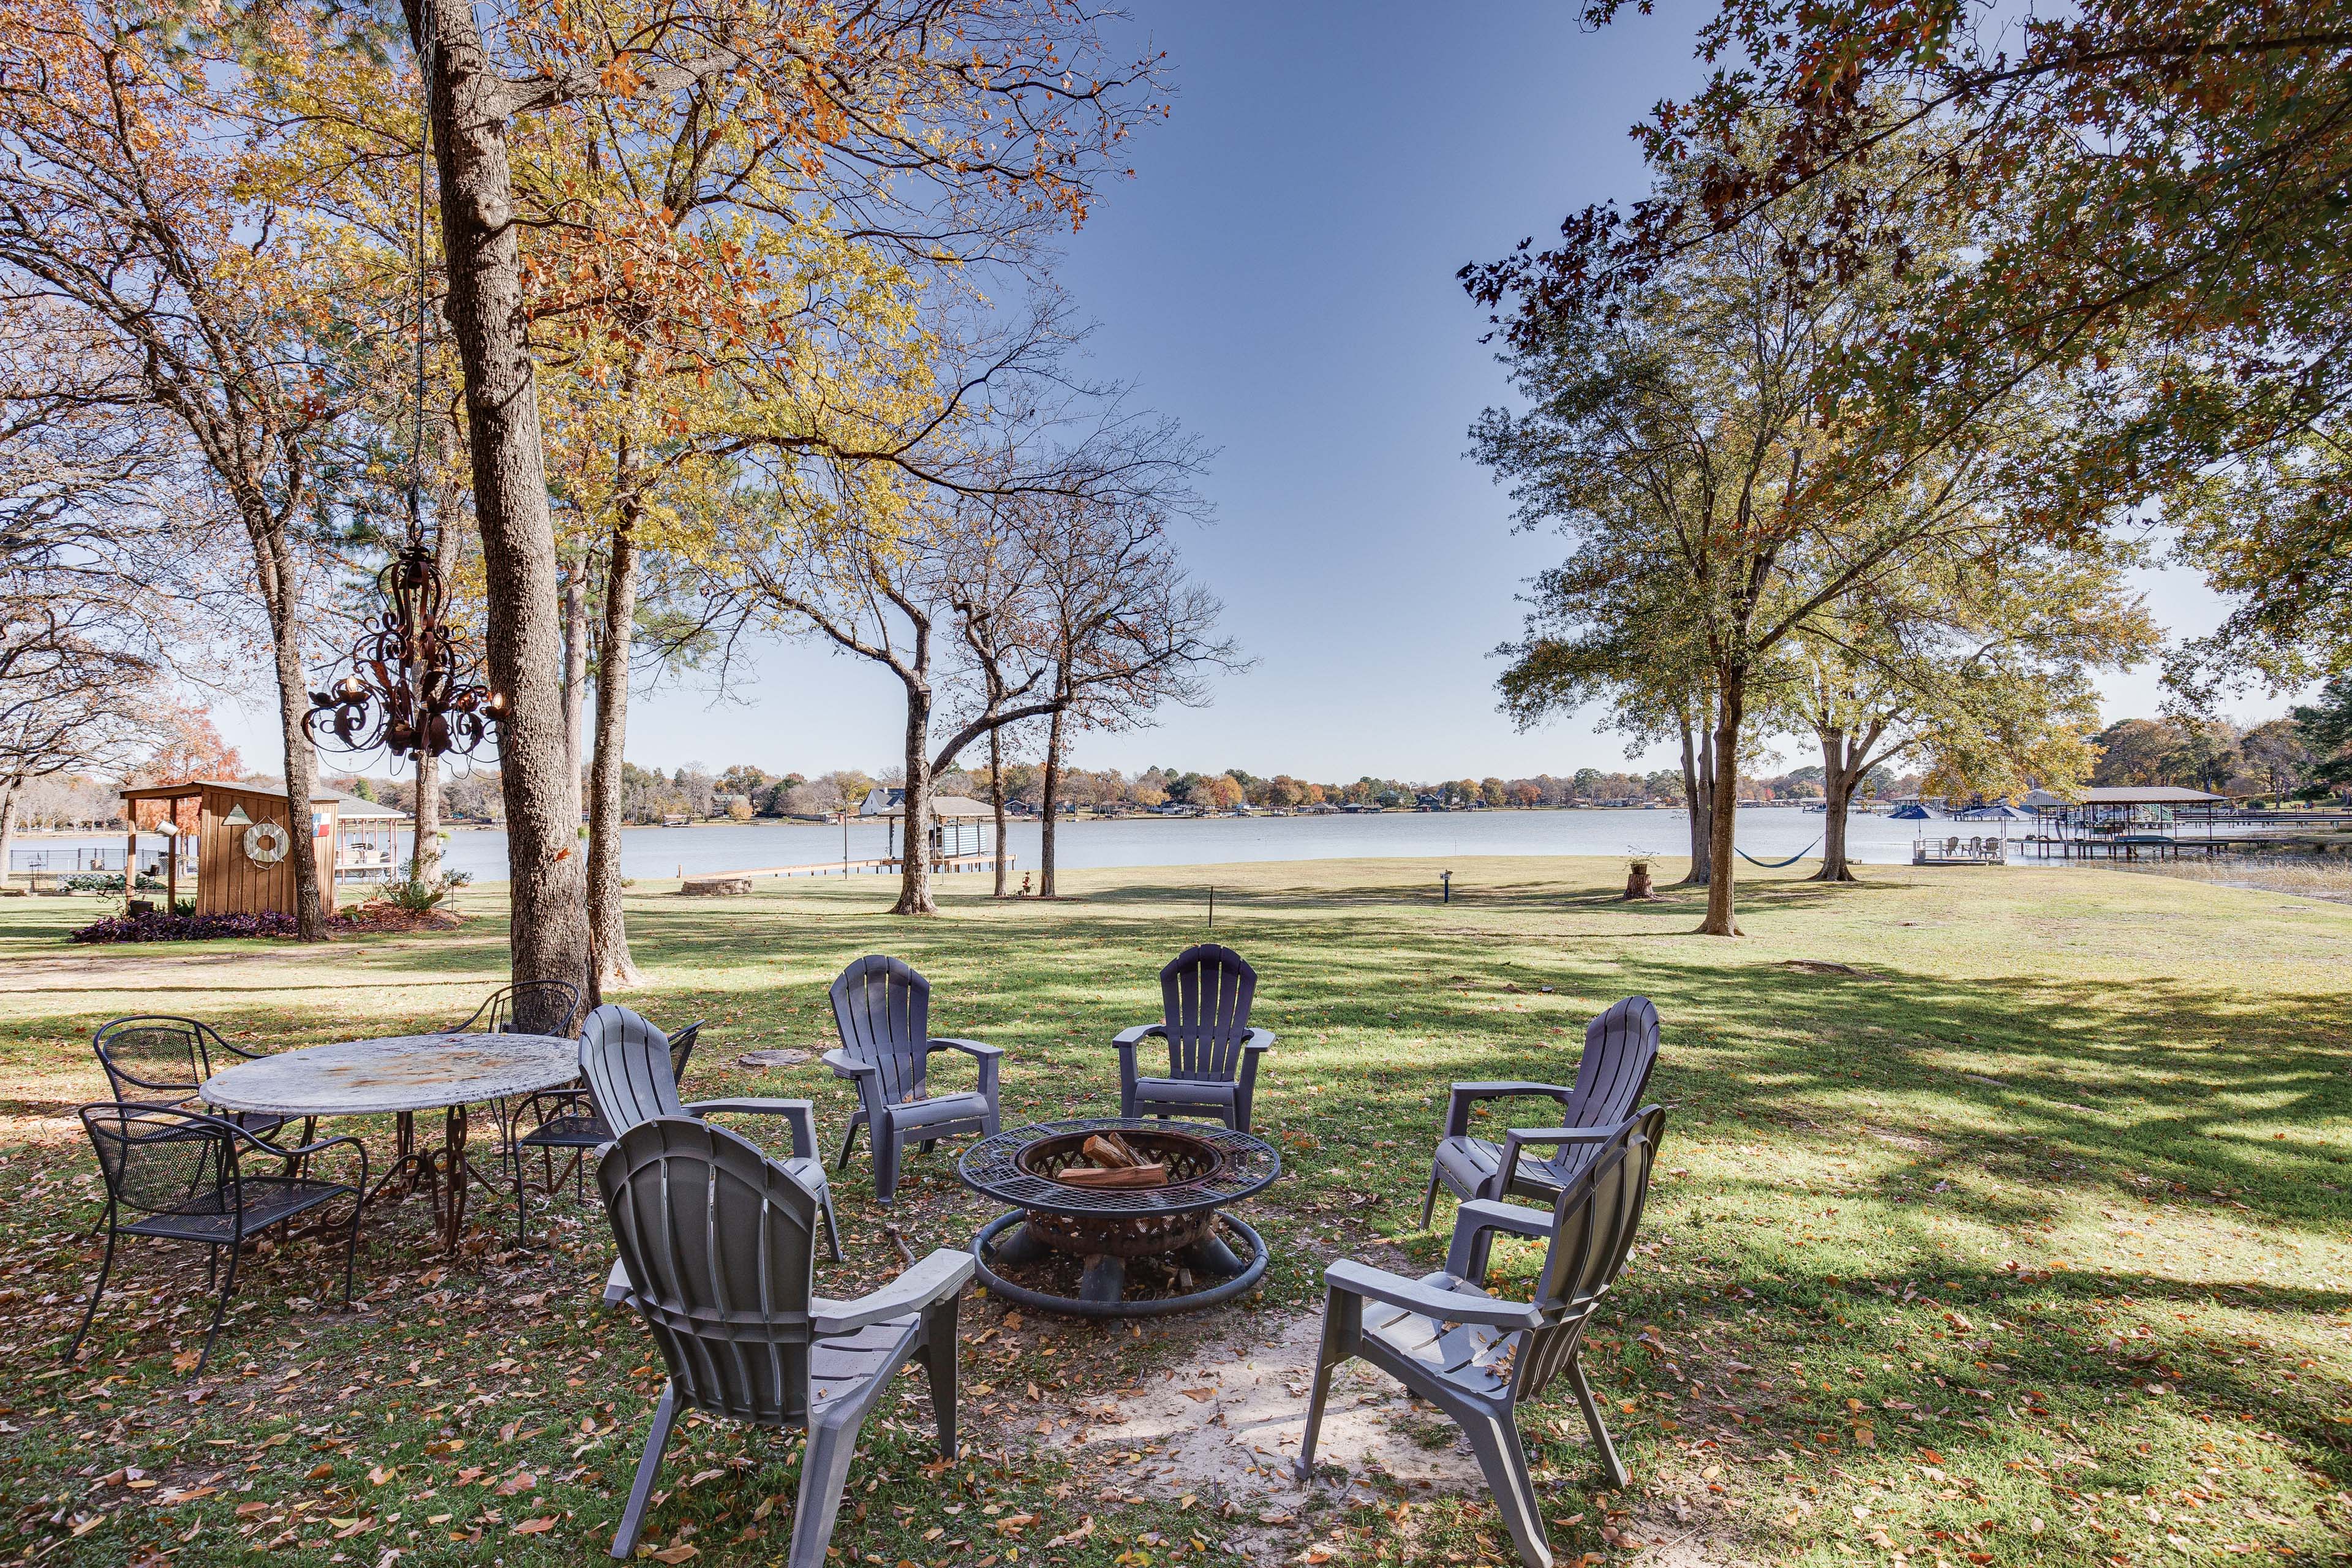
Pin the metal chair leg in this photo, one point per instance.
(351, 1246)
(105, 1267)
(220, 1308)
(633, 1518)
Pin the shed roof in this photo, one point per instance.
(880, 802)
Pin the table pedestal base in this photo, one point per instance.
(445, 1170)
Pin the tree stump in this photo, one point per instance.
(1637, 881)
(716, 887)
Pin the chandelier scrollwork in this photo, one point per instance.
(414, 689)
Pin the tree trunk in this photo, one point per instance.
(576, 674)
(282, 601)
(9, 789)
(997, 799)
(915, 837)
(548, 931)
(1052, 800)
(608, 924)
(1724, 819)
(1839, 775)
(1698, 801)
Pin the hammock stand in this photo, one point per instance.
(1774, 865)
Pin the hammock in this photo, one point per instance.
(1774, 865)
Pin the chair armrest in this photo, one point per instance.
(844, 1064)
(1353, 1278)
(1465, 1257)
(800, 1113)
(1518, 1138)
(304, 1151)
(1259, 1040)
(933, 1279)
(969, 1048)
(1464, 1095)
(1127, 1039)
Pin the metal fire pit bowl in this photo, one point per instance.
(1209, 1167)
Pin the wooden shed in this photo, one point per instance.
(245, 845)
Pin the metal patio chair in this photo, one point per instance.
(1213, 1053)
(1620, 1048)
(526, 1007)
(626, 1063)
(717, 1247)
(566, 1119)
(179, 1172)
(155, 1059)
(883, 1011)
(1478, 1358)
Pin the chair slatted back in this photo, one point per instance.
(719, 1244)
(155, 1057)
(625, 1062)
(1620, 1048)
(526, 1007)
(883, 1011)
(1594, 1223)
(1206, 994)
(157, 1160)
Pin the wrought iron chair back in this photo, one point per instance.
(719, 1246)
(1594, 1224)
(156, 1160)
(154, 1056)
(883, 1010)
(526, 1007)
(1206, 991)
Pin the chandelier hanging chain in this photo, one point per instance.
(415, 688)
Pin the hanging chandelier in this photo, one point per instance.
(414, 689)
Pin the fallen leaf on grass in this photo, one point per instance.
(1070, 1538)
(1198, 1394)
(681, 1553)
(534, 1526)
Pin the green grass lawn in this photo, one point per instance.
(2024, 1241)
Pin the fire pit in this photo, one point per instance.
(1106, 1209)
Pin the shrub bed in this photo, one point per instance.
(377, 916)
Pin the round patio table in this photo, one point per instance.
(400, 1076)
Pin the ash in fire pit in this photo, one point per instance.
(1112, 1190)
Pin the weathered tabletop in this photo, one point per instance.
(406, 1072)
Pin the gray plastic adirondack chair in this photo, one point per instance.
(1620, 1048)
(718, 1244)
(1477, 1358)
(1213, 1053)
(625, 1062)
(883, 1010)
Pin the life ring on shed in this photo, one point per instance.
(266, 842)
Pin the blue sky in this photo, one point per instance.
(1279, 276)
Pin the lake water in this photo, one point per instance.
(1771, 835)
(1767, 833)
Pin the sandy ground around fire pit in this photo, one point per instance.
(1226, 1425)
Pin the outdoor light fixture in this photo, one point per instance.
(413, 689)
